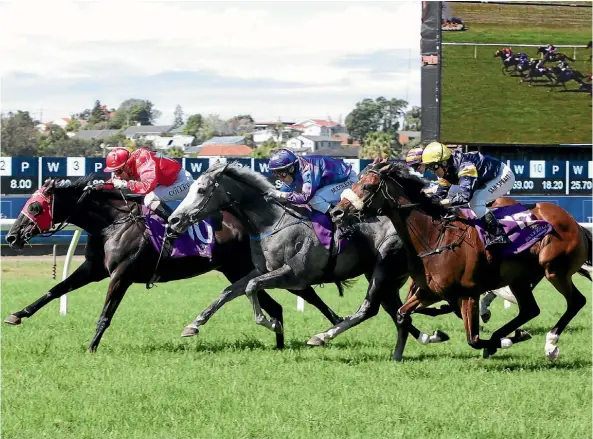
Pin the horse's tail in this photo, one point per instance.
(342, 284)
(587, 268)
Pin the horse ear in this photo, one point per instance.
(378, 159)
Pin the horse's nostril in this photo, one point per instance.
(174, 220)
(10, 239)
(338, 213)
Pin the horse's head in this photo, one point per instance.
(381, 186)
(39, 215)
(221, 187)
(497, 53)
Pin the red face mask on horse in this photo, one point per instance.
(40, 209)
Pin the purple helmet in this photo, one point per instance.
(281, 159)
(414, 157)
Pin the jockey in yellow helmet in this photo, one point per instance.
(481, 179)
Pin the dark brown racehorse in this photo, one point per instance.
(449, 262)
(119, 248)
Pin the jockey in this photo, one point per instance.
(321, 179)
(481, 179)
(564, 66)
(142, 172)
(550, 50)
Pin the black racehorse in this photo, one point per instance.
(535, 72)
(119, 248)
(562, 76)
(507, 61)
(559, 56)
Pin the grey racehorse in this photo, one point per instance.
(286, 252)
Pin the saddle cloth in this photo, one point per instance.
(198, 240)
(520, 226)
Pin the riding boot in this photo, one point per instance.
(495, 232)
(163, 211)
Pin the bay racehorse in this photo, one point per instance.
(288, 253)
(119, 248)
(449, 261)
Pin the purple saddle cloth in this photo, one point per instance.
(323, 226)
(199, 239)
(520, 226)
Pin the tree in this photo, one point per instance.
(413, 119)
(132, 111)
(175, 152)
(19, 135)
(378, 144)
(370, 115)
(193, 125)
(212, 126)
(83, 115)
(265, 149)
(178, 117)
(97, 114)
(73, 125)
(240, 125)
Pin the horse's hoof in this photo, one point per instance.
(488, 352)
(189, 331)
(316, 341)
(277, 326)
(522, 335)
(397, 358)
(12, 320)
(441, 336)
(553, 354)
(486, 316)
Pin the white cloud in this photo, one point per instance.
(300, 42)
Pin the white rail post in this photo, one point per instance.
(574, 53)
(475, 52)
(65, 273)
(300, 304)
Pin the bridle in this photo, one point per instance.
(44, 221)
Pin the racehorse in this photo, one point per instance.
(534, 72)
(559, 56)
(119, 248)
(288, 253)
(459, 269)
(562, 77)
(507, 61)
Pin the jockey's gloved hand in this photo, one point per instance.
(98, 186)
(276, 195)
(457, 201)
(118, 183)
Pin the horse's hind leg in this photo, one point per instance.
(485, 303)
(574, 300)
(83, 275)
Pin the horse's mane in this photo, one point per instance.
(412, 186)
(78, 185)
(244, 174)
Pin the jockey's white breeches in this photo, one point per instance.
(495, 188)
(177, 191)
(329, 195)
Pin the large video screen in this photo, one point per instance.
(502, 83)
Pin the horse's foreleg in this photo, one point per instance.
(283, 277)
(115, 293)
(274, 310)
(229, 293)
(471, 320)
(83, 275)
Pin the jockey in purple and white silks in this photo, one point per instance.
(314, 180)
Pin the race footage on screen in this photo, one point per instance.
(522, 74)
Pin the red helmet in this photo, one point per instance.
(116, 159)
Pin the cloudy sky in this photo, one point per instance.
(292, 60)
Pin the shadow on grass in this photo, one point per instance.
(502, 364)
(570, 329)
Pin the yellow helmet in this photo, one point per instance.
(435, 152)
